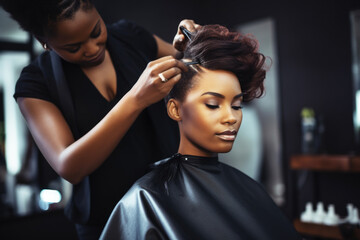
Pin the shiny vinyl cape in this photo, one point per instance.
(188, 197)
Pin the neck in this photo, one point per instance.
(190, 149)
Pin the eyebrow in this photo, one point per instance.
(73, 44)
(220, 95)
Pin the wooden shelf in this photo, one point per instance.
(340, 163)
(322, 231)
(324, 163)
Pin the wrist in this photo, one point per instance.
(134, 102)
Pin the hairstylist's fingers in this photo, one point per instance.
(157, 80)
(180, 41)
(188, 24)
(169, 74)
(197, 27)
(181, 65)
(175, 79)
(167, 63)
(179, 38)
(168, 60)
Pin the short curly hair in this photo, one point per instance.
(214, 47)
(37, 16)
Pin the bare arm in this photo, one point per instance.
(73, 160)
(164, 48)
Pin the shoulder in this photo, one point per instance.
(234, 171)
(241, 178)
(135, 215)
(37, 68)
(150, 184)
(32, 81)
(142, 191)
(147, 182)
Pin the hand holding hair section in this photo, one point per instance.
(163, 79)
(181, 40)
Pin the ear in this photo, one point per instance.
(42, 42)
(173, 109)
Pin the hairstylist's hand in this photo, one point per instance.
(157, 80)
(180, 40)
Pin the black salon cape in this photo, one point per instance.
(204, 199)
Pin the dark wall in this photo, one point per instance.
(314, 52)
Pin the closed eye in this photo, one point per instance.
(237, 107)
(96, 33)
(74, 49)
(212, 106)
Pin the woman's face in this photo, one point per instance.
(81, 39)
(210, 114)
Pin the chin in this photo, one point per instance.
(224, 149)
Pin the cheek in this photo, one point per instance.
(239, 117)
(188, 118)
(103, 37)
(198, 125)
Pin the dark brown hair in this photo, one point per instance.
(215, 47)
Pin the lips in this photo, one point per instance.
(228, 135)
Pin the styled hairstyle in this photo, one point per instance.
(37, 16)
(214, 47)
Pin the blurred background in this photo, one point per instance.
(311, 108)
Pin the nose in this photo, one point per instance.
(230, 117)
(91, 48)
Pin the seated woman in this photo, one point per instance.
(191, 195)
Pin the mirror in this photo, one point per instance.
(355, 46)
(27, 183)
(257, 147)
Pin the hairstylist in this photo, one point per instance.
(92, 101)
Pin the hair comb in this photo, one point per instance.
(186, 33)
(189, 35)
(191, 63)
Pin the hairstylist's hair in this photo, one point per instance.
(37, 16)
(215, 47)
